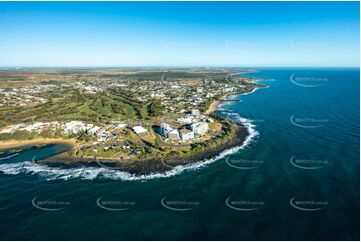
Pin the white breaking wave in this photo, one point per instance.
(90, 173)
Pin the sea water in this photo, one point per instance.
(296, 177)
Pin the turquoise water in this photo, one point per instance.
(298, 179)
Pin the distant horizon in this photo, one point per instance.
(131, 67)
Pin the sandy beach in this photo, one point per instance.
(212, 107)
(17, 143)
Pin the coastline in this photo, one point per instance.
(8, 144)
(146, 167)
(63, 171)
(61, 166)
(214, 105)
(150, 167)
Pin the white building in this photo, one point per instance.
(196, 112)
(93, 130)
(32, 127)
(11, 128)
(186, 134)
(165, 129)
(121, 126)
(185, 120)
(139, 130)
(74, 127)
(173, 135)
(35, 126)
(200, 128)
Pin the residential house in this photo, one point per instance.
(139, 130)
(121, 126)
(196, 112)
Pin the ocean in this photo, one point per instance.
(296, 178)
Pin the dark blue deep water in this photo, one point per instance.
(298, 179)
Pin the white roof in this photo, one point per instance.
(139, 130)
(95, 129)
(174, 131)
(121, 125)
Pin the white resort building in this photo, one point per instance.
(199, 128)
(165, 129)
(173, 135)
(186, 134)
(74, 127)
(93, 130)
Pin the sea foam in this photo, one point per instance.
(91, 173)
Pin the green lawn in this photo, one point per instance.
(73, 105)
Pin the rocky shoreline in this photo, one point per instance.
(150, 166)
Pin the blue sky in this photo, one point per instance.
(179, 34)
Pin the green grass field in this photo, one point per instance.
(11, 78)
(73, 105)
